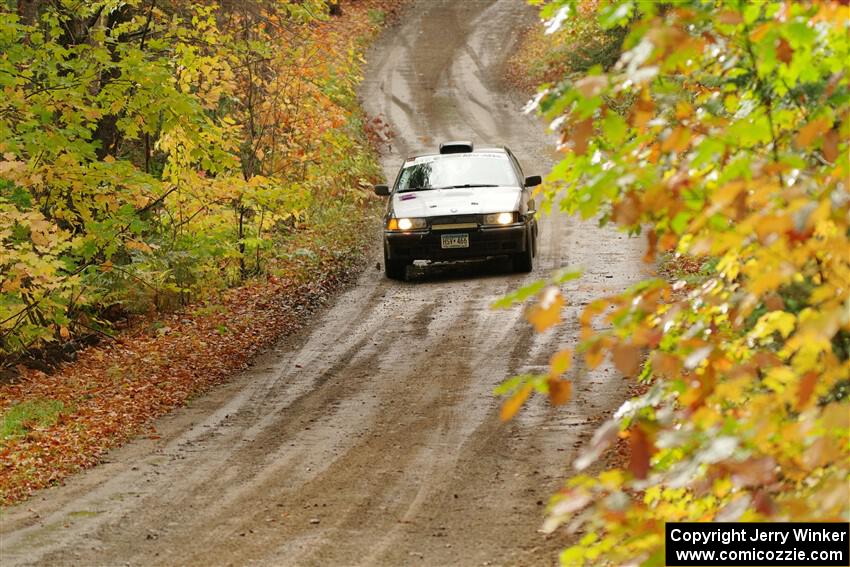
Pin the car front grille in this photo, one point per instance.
(455, 219)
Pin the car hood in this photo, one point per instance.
(439, 202)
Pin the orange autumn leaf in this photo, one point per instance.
(677, 141)
(830, 145)
(626, 358)
(594, 355)
(729, 17)
(548, 311)
(810, 132)
(641, 450)
(784, 51)
(560, 362)
(651, 247)
(579, 135)
(666, 365)
(805, 389)
(560, 391)
(592, 85)
(627, 211)
(512, 404)
(643, 111)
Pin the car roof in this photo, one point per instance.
(492, 150)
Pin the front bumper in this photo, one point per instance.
(483, 243)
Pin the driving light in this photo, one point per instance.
(406, 224)
(499, 218)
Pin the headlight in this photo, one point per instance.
(406, 224)
(500, 218)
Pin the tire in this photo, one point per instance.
(524, 261)
(394, 269)
(534, 239)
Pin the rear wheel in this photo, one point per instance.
(524, 261)
(394, 269)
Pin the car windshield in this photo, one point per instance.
(467, 170)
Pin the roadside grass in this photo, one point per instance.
(30, 414)
(377, 16)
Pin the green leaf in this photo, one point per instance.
(614, 127)
(519, 295)
(565, 275)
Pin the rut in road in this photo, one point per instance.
(371, 438)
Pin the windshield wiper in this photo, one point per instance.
(465, 186)
(468, 186)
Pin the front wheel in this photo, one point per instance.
(394, 269)
(524, 261)
(534, 238)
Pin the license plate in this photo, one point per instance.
(454, 240)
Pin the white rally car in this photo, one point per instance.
(460, 204)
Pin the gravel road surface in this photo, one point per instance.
(372, 437)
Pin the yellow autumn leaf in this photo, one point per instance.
(768, 280)
(835, 417)
(809, 353)
(612, 479)
(778, 378)
(11, 284)
(40, 232)
(773, 322)
(768, 225)
(560, 362)
(733, 390)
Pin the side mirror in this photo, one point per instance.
(383, 190)
(533, 181)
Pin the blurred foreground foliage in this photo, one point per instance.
(154, 151)
(721, 133)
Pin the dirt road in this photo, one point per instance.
(372, 438)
